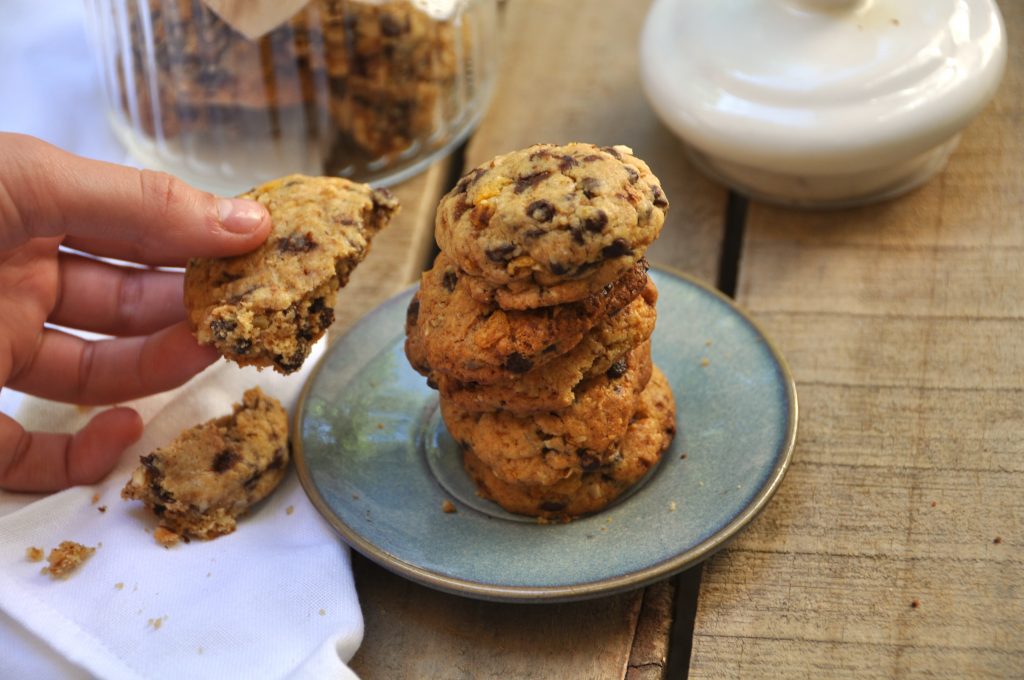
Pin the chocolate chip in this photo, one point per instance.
(658, 197)
(590, 158)
(224, 460)
(292, 363)
(316, 305)
(481, 215)
(159, 510)
(277, 461)
(449, 280)
(596, 223)
(557, 269)
(577, 236)
(149, 462)
(227, 277)
(540, 153)
(591, 186)
(502, 253)
(618, 248)
(221, 327)
(566, 162)
(617, 370)
(517, 363)
(588, 461)
(297, 243)
(390, 26)
(413, 312)
(431, 383)
(251, 482)
(613, 151)
(529, 181)
(326, 317)
(460, 208)
(242, 346)
(634, 176)
(542, 211)
(551, 348)
(534, 233)
(552, 506)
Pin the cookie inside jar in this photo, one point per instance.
(372, 90)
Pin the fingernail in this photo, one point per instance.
(240, 216)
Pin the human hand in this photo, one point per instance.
(48, 198)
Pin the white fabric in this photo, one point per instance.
(274, 599)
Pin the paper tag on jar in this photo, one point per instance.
(255, 18)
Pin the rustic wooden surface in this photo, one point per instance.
(568, 75)
(895, 546)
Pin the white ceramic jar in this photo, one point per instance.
(821, 102)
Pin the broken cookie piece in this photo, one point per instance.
(65, 558)
(199, 484)
(268, 307)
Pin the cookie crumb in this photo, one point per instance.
(355, 496)
(156, 623)
(165, 537)
(543, 520)
(34, 554)
(119, 586)
(102, 508)
(707, 343)
(934, 503)
(915, 603)
(380, 426)
(65, 558)
(289, 510)
(448, 506)
(672, 506)
(997, 540)
(95, 498)
(209, 574)
(682, 456)
(704, 362)
(323, 612)
(199, 651)
(894, 22)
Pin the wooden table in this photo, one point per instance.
(895, 546)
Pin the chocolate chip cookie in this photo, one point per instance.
(550, 224)
(649, 434)
(551, 387)
(543, 448)
(199, 484)
(268, 307)
(451, 332)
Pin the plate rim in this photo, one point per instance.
(562, 593)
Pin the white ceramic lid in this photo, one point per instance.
(820, 87)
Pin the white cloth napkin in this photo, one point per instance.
(274, 599)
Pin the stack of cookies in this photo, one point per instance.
(534, 324)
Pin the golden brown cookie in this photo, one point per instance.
(452, 333)
(544, 448)
(649, 434)
(268, 307)
(551, 386)
(550, 224)
(199, 484)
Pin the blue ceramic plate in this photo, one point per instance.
(375, 459)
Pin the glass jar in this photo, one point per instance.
(373, 90)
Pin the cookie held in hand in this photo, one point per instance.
(199, 484)
(268, 307)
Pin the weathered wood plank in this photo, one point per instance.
(569, 74)
(895, 547)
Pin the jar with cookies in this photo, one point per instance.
(229, 94)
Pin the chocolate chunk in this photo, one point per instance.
(326, 317)
(316, 305)
(517, 363)
(588, 461)
(449, 280)
(552, 506)
(591, 186)
(159, 510)
(540, 153)
(613, 151)
(529, 181)
(618, 248)
(460, 208)
(577, 236)
(596, 223)
(149, 462)
(617, 370)
(502, 253)
(634, 176)
(242, 346)
(658, 197)
(297, 243)
(542, 211)
(590, 158)
(224, 460)
(557, 269)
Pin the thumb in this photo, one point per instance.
(107, 209)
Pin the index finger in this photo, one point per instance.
(113, 210)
